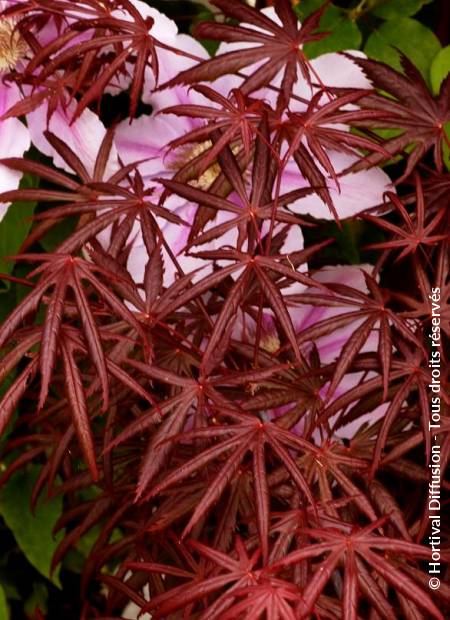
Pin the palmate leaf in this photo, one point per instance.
(246, 586)
(273, 598)
(317, 130)
(251, 206)
(409, 376)
(54, 91)
(60, 274)
(69, 341)
(415, 233)
(339, 471)
(235, 117)
(265, 269)
(278, 48)
(358, 551)
(197, 398)
(94, 48)
(410, 107)
(371, 311)
(246, 434)
(119, 200)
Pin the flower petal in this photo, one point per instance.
(357, 191)
(14, 141)
(84, 136)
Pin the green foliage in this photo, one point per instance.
(440, 68)
(445, 147)
(205, 15)
(344, 33)
(33, 534)
(414, 39)
(390, 9)
(15, 226)
(4, 612)
(349, 240)
(381, 37)
(58, 233)
(37, 600)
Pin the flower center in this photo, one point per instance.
(270, 343)
(12, 46)
(187, 153)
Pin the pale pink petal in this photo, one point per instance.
(176, 237)
(349, 430)
(146, 138)
(14, 141)
(336, 70)
(304, 316)
(14, 136)
(357, 191)
(294, 241)
(84, 136)
(9, 179)
(170, 64)
(163, 28)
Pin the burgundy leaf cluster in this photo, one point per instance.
(211, 460)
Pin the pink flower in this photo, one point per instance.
(357, 191)
(14, 136)
(85, 135)
(148, 136)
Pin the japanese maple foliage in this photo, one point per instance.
(244, 427)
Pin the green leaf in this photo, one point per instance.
(205, 15)
(16, 225)
(344, 33)
(37, 600)
(416, 41)
(306, 7)
(390, 9)
(33, 534)
(347, 238)
(4, 612)
(58, 233)
(349, 241)
(440, 68)
(446, 148)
